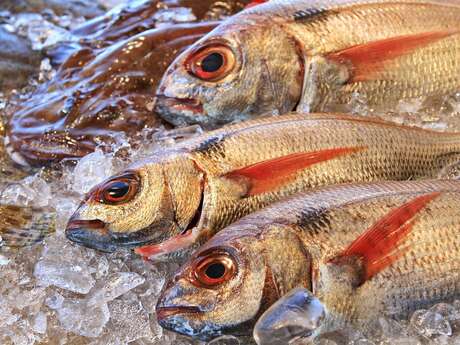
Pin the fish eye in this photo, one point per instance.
(118, 190)
(211, 63)
(213, 270)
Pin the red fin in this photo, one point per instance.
(174, 244)
(268, 175)
(368, 59)
(378, 246)
(255, 3)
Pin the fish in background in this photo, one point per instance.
(181, 196)
(315, 56)
(362, 251)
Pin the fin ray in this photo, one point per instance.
(268, 175)
(368, 59)
(378, 247)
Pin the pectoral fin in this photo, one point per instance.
(269, 175)
(367, 60)
(379, 246)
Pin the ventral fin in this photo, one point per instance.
(378, 247)
(369, 59)
(268, 175)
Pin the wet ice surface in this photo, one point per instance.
(59, 293)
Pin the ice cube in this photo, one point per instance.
(225, 340)
(31, 191)
(410, 106)
(65, 208)
(64, 266)
(40, 323)
(114, 286)
(78, 317)
(55, 301)
(128, 323)
(91, 170)
(177, 15)
(429, 323)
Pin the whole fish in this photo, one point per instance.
(362, 251)
(183, 195)
(316, 55)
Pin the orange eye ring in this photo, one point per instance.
(213, 270)
(211, 63)
(119, 190)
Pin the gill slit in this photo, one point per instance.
(301, 55)
(199, 211)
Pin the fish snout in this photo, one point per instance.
(90, 233)
(179, 111)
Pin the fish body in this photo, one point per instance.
(315, 56)
(361, 250)
(185, 194)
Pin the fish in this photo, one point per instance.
(315, 56)
(179, 197)
(362, 251)
(23, 226)
(105, 85)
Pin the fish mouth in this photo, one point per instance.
(96, 235)
(166, 312)
(175, 105)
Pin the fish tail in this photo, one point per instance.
(24, 226)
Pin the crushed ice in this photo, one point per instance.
(60, 293)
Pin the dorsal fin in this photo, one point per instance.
(368, 59)
(268, 175)
(378, 247)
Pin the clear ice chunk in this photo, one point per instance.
(294, 316)
(78, 317)
(91, 170)
(225, 340)
(429, 323)
(31, 191)
(40, 323)
(114, 286)
(64, 266)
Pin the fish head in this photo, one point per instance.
(237, 72)
(149, 202)
(225, 286)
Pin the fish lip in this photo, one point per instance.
(90, 233)
(169, 311)
(96, 235)
(179, 105)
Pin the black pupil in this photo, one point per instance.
(212, 63)
(118, 190)
(215, 271)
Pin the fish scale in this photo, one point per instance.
(201, 185)
(307, 236)
(302, 55)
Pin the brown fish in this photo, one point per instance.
(316, 55)
(363, 251)
(24, 226)
(106, 83)
(185, 194)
